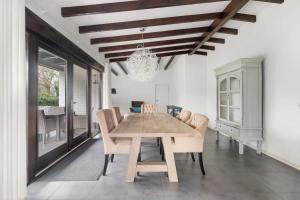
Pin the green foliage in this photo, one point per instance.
(46, 100)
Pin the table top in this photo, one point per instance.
(152, 125)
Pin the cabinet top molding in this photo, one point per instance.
(238, 64)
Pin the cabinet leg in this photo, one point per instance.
(241, 147)
(259, 147)
(218, 136)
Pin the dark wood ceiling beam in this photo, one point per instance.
(127, 6)
(161, 55)
(231, 9)
(161, 21)
(148, 22)
(114, 72)
(158, 43)
(134, 5)
(272, 1)
(123, 38)
(157, 50)
(169, 63)
(122, 68)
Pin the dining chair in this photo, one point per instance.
(45, 125)
(111, 146)
(149, 108)
(195, 143)
(117, 115)
(184, 115)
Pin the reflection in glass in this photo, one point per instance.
(234, 84)
(80, 118)
(51, 101)
(224, 113)
(95, 101)
(234, 115)
(223, 85)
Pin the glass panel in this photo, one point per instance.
(80, 118)
(234, 99)
(234, 83)
(223, 85)
(223, 99)
(224, 113)
(51, 101)
(234, 115)
(95, 101)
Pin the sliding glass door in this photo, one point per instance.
(80, 103)
(51, 98)
(61, 112)
(96, 94)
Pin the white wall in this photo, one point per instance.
(185, 77)
(275, 36)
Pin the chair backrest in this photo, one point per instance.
(116, 115)
(199, 122)
(149, 108)
(136, 103)
(106, 122)
(41, 121)
(184, 115)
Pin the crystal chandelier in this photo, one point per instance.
(142, 64)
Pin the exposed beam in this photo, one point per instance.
(148, 22)
(187, 31)
(122, 67)
(114, 72)
(161, 21)
(231, 9)
(161, 55)
(134, 5)
(126, 6)
(169, 62)
(158, 43)
(271, 1)
(156, 50)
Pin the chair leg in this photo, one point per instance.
(157, 141)
(193, 157)
(160, 149)
(112, 157)
(139, 159)
(201, 163)
(162, 153)
(105, 164)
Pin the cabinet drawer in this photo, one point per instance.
(232, 131)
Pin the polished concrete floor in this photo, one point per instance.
(229, 176)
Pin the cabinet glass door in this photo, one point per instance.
(223, 100)
(234, 99)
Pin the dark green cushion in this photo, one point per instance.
(136, 109)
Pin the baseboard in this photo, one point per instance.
(267, 153)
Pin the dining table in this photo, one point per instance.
(155, 125)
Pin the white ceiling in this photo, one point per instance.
(53, 8)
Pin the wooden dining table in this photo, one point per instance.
(156, 125)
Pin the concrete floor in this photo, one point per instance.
(229, 176)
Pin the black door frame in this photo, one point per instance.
(39, 33)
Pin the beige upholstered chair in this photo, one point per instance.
(149, 108)
(117, 115)
(195, 143)
(184, 115)
(45, 125)
(116, 146)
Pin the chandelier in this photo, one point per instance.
(142, 64)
